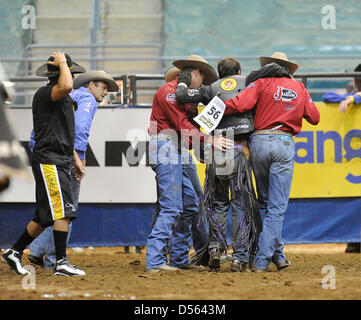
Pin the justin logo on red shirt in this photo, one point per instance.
(284, 94)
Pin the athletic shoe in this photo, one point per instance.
(36, 260)
(164, 267)
(13, 259)
(215, 258)
(238, 266)
(283, 264)
(63, 267)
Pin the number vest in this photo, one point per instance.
(228, 88)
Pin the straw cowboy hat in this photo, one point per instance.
(96, 75)
(48, 70)
(171, 74)
(200, 63)
(279, 58)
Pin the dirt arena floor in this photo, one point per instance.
(114, 275)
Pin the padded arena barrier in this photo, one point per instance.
(306, 221)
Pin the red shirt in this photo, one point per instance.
(278, 101)
(167, 113)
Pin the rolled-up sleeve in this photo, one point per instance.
(333, 97)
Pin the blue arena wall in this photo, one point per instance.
(306, 221)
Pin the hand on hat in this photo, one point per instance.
(59, 58)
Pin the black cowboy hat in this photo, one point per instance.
(48, 70)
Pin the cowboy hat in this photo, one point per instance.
(279, 58)
(195, 61)
(171, 73)
(48, 70)
(96, 75)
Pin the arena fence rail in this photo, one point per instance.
(25, 87)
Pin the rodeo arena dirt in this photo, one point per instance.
(318, 272)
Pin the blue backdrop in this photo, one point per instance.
(306, 221)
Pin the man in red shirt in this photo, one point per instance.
(280, 103)
(169, 129)
(199, 227)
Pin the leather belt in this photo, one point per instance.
(279, 132)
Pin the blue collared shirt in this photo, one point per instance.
(87, 106)
(332, 97)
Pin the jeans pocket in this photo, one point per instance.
(286, 148)
(158, 152)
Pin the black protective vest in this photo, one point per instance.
(228, 88)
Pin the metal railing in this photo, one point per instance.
(23, 83)
(130, 95)
(129, 52)
(305, 76)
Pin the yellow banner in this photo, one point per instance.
(328, 156)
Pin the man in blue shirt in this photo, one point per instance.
(89, 89)
(349, 98)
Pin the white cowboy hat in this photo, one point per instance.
(279, 58)
(95, 75)
(171, 74)
(200, 63)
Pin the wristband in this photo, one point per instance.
(352, 99)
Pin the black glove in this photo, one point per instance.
(185, 77)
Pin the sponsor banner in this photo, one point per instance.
(327, 163)
(328, 156)
(117, 168)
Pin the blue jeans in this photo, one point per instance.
(177, 204)
(199, 221)
(44, 245)
(199, 228)
(272, 159)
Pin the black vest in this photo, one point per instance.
(228, 88)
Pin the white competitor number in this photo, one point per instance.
(211, 115)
